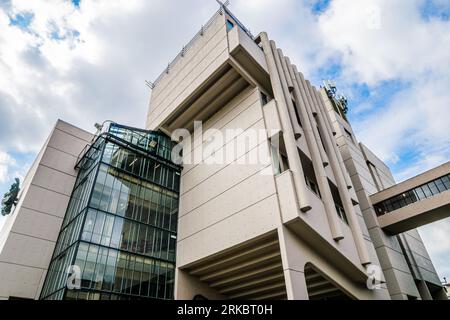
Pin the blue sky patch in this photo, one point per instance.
(435, 10)
(320, 6)
(22, 19)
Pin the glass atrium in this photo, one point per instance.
(119, 231)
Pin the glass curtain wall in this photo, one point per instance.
(119, 231)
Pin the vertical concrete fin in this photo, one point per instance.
(322, 180)
(313, 112)
(321, 95)
(285, 89)
(289, 83)
(288, 133)
(341, 184)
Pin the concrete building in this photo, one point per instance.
(276, 199)
(28, 237)
(447, 289)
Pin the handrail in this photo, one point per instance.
(197, 35)
(186, 47)
(124, 143)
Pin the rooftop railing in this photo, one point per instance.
(221, 11)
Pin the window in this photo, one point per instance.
(308, 171)
(341, 213)
(337, 201)
(419, 193)
(264, 99)
(375, 176)
(275, 159)
(312, 185)
(297, 115)
(280, 160)
(348, 135)
(284, 161)
(122, 214)
(230, 25)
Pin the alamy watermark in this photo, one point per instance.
(219, 147)
(374, 277)
(74, 277)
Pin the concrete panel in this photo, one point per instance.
(392, 259)
(289, 205)
(59, 160)
(246, 124)
(399, 282)
(53, 180)
(46, 201)
(37, 224)
(256, 220)
(27, 251)
(166, 82)
(76, 132)
(27, 242)
(66, 142)
(223, 180)
(226, 204)
(204, 171)
(219, 58)
(19, 281)
(380, 238)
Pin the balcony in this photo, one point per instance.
(249, 55)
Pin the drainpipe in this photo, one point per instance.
(288, 133)
(322, 180)
(341, 183)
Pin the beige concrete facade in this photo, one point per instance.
(275, 193)
(404, 259)
(29, 234)
(250, 230)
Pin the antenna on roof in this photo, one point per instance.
(223, 4)
(149, 84)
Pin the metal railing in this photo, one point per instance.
(185, 48)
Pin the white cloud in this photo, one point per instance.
(6, 161)
(96, 75)
(415, 119)
(99, 74)
(435, 238)
(382, 39)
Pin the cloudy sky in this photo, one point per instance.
(86, 61)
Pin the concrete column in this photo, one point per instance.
(321, 96)
(313, 112)
(323, 154)
(293, 266)
(290, 85)
(286, 93)
(322, 180)
(441, 295)
(288, 133)
(341, 183)
(424, 291)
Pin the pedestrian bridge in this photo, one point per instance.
(414, 202)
